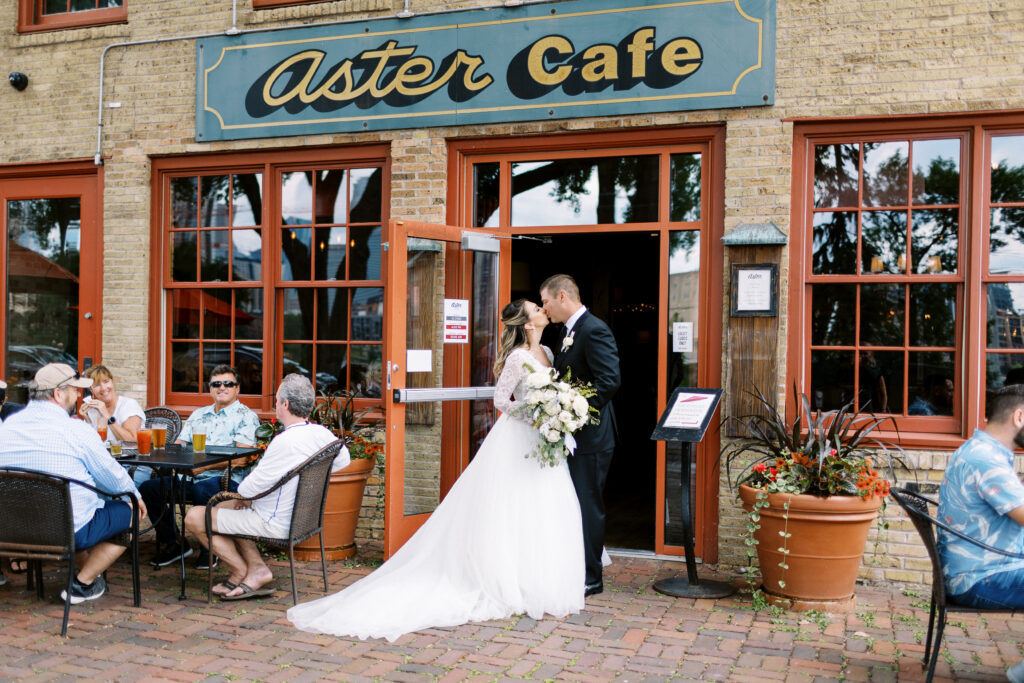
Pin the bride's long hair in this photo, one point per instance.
(514, 318)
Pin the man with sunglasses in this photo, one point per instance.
(228, 423)
(44, 437)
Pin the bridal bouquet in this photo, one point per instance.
(557, 407)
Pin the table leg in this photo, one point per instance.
(178, 495)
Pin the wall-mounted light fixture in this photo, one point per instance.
(19, 81)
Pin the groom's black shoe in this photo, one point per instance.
(594, 589)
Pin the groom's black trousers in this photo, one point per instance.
(589, 471)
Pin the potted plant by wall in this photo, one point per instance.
(811, 488)
(337, 412)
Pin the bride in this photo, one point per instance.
(507, 539)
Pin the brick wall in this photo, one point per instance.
(837, 58)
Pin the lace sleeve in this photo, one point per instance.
(511, 375)
(549, 353)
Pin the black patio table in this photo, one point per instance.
(182, 460)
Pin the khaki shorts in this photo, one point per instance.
(246, 522)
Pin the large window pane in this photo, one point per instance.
(931, 384)
(185, 313)
(366, 364)
(217, 313)
(296, 199)
(935, 240)
(249, 365)
(1003, 368)
(331, 196)
(213, 204)
(936, 171)
(1005, 310)
(365, 189)
(184, 213)
(884, 248)
(295, 250)
(329, 248)
(885, 173)
(247, 254)
(331, 366)
(831, 379)
(364, 253)
(1007, 169)
(684, 204)
(834, 249)
(185, 367)
(833, 310)
(298, 358)
(213, 255)
(486, 194)
(836, 172)
(1006, 241)
(881, 315)
(585, 191)
(248, 313)
(933, 314)
(214, 354)
(332, 314)
(368, 314)
(297, 305)
(247, 190)
(183, 256)
(880, 378)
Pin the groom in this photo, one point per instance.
(587, 347)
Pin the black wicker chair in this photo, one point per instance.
(164, 417)
(37, 523)
(307, 514)
(917, 508)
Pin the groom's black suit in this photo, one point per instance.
(592, 357)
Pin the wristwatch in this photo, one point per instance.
(112, 420)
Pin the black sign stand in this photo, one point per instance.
(680, 423)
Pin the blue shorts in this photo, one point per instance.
(109, 520)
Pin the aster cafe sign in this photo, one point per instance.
(539, 61)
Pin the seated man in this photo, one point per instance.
(270, 516)
(44, 437)
(982, 497)
(228, 423)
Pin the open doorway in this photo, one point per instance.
(618, 278)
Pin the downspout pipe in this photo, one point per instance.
(405, 13)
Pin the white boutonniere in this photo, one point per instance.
(567, 342)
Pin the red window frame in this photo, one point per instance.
(162, 287)
(31, 18)
(975, 131)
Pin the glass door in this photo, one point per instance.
(441, 303)
(51, 303)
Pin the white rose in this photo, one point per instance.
(566, 343)
(565, 398)
(580, 406)
(552, 436)
(537, 379)
(552, 408)
(533, 396)
(550, 395)
(562, 386)
(565, 417)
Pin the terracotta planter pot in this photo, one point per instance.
(825, 549)
(341, 514)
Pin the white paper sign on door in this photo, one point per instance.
(682, 337)
(419, 360)
(456, 321)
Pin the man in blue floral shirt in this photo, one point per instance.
(228, 423)
(982, 497)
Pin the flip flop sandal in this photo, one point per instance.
(227, 584)
(248, 593)
(13, 565)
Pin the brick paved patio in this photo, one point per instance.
(629, 633)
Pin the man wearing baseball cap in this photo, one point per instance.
(44, 437)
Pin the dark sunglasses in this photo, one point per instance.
(76, 376)
(218, 385)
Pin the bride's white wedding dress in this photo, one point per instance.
(507, 539)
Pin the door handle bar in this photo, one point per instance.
(430, 394)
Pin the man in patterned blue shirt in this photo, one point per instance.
(44, 437)
(982, 497)
(228, 423)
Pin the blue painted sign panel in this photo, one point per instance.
(540, 61)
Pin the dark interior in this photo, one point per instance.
(618, 278)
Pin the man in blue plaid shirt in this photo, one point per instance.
(44, 437)
(982, 497)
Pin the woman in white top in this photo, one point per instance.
(123, 416)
